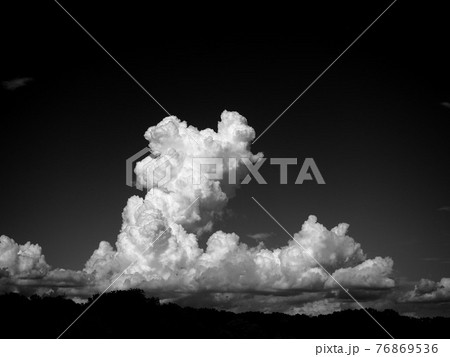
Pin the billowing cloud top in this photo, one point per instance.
(22, 261)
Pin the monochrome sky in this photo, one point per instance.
(375, 124)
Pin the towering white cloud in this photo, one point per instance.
(176, 261)
(174, 215)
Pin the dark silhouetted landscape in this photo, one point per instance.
(130, 314)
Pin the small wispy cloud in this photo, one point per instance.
(260, 236)
(446, 104)
(444, 209)
(430, 259)
(16, 83)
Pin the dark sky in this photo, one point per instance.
(374, 123)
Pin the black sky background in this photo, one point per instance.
(374, 123)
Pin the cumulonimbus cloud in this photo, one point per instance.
(173, 217)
